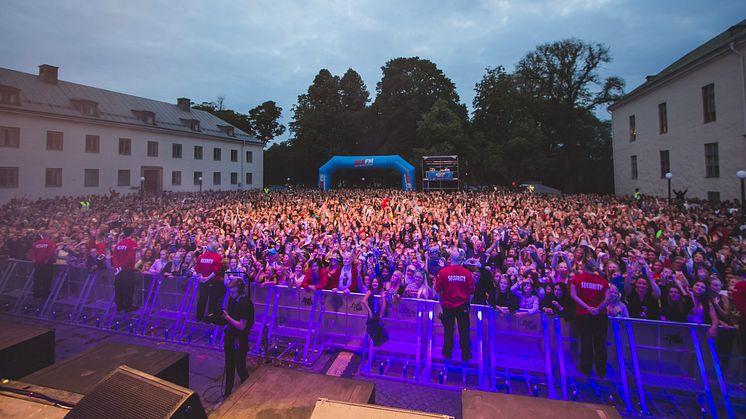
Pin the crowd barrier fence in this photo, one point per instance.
(644, 356)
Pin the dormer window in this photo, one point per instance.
(10, 95)
(86, 107)
(147, 117)
(193, 124)
(228, 130)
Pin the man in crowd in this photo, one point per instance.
(239, 314)
(455, 285)
(123, 260)
(42, 254)
(209, 269)
(590, 294)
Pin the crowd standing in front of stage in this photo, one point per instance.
(580, 257)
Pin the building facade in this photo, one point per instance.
(688, 120)
(64, 139)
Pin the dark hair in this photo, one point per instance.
(127, 231)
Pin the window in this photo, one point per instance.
(228, 130)
(632, 129)
(633, 164)
(10, 137)
(249, 157)
(197, 178)
(198, 152)
(193, 124)
(216, 178)
(152, 149)
(662, 118)
(713, 196)
(86, 107)
(54, 140)
(10, 95)
(176, 178)
(8, 177)
(216, 154)
(248, 178)
(147, 117)
(53, 178)
(712, 160)
(708, 102)
(234, 178)
(234, 155)
(90, 177)
(665, 163)
(125, 146)
(123, 177)
(176, 151)
(91, 143)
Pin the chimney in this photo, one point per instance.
(184, 104)
(48, 73)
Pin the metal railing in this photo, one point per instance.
(647, 358)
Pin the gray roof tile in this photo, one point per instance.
(39, 96)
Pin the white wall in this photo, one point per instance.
(687, 133)
(32, 158)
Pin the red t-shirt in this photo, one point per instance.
(42, 251)
(591, 289)
(124, 255)
(739, 297)
(455, 284)
(207, 263)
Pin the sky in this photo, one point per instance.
(253, 51)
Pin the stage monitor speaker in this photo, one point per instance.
(330, 409)
(131, 394)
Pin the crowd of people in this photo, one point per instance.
(580, 257)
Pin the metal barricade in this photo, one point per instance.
(403, 352)
(296, 321)
(520, 346)
(671, 356)
(344, 320)
(473, 373)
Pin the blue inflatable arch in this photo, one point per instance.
(367, 162)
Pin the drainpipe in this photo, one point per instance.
(743, 85)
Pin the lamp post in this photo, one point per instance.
(142, 192)
(288, 180)
(362, 179)
(669, 175)
(200, 184)
(741, 174)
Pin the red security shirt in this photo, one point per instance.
(42, 251)
(455, 284)
(591, 289)
(207, 263)
(124, 254)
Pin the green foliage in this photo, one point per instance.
(537, 123)
(265, 121)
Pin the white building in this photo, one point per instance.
(61, 138)
(689, 120)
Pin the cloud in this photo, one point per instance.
(253, 51)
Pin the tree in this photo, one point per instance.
(563, 77)
(408, 89)
(265, 121)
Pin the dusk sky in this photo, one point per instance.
(253, 51)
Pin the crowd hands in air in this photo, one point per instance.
(678, 262)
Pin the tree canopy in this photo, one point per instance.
(535, 123)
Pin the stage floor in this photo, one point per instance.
(206, 368)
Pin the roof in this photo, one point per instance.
(712, 47)
(61, 99)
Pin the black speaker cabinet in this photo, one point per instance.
(127, 393)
